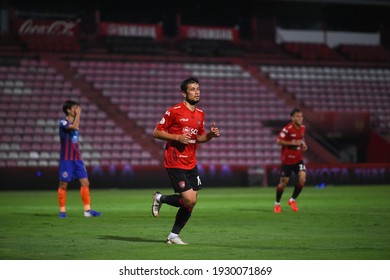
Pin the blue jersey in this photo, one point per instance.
(70, 149)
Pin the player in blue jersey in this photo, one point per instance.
(71, 163)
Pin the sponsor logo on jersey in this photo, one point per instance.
(186, 130)
(182, 184)
(190, 130)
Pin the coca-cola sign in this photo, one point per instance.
(47, 27)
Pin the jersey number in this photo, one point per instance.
(199, 182)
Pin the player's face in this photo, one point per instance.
(72, 111)
(297, 118)
(193, 93)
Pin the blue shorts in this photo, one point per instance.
(71, 170)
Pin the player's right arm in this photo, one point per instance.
(163, 135)
(294, 142)
(162, 128)
(285, 140)
(76, 121)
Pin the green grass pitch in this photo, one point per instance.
(334, 223)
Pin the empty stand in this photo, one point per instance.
(312, 51)
(133, 45)
(233, 99)
(342, 89)
(202, 47)
(31, 98)
(50, 43)
(365, 53)
(32, 92)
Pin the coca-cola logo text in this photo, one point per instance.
(57, 27)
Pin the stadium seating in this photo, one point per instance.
(230, 97)
(53, 43)
(341, 89)
(312, 51)
(31, 94)
(202, 47)
(365, 53)
(133, 45)
(31, 97)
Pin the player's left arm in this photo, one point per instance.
(214, 132)
(304, 146)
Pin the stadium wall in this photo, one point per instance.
(378, 148)
(125, 177)
(336, 174)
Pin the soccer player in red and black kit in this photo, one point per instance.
(182, 127)
(291, 138)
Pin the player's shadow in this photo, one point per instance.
(40, 214)
(129, 238)
(252, 210)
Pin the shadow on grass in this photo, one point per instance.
(43, 215)
(129, 239)
(256, 210)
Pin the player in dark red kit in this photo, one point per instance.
(291, 138)
(182, 127)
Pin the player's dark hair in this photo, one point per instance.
(67, 105)
(294, 111)
(188, 81)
